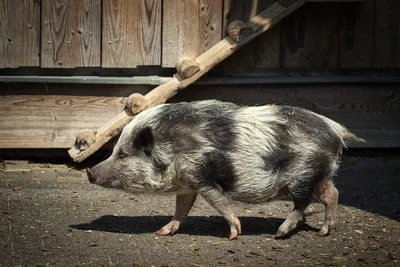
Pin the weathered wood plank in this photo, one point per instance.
(58, 44)
(70, 33)
(52, 121)
(118, 33)
(89, 33)
(28, 28)
(19, 33)
(356, 35)
(311, 37)
(262, 52)
(387, 34)
(8, 11)
(189, 28)
(131, 33)
(149, 32)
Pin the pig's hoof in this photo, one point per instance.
(163, 231)
(233, 235)
(324, 231)
(170, 228)
(280, 234)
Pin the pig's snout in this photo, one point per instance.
(90, 175)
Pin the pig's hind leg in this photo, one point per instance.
(301, 191)
(327, 193)
(220, 202)
(183, 205)
(296, 216)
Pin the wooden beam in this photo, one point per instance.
(226, 47)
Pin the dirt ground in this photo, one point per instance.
(51, 216)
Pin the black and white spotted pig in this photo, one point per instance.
(223, 151)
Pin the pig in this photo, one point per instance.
(225, 152)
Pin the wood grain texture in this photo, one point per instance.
(149, 34)
(118, 34)
(311, 37)
(89, 32)
(8, 10)
(263, 52)
(52, 121)
(387, 34)
(131, 33)
(70, 33)
(356, 35)
(19, 33)
(189, 28)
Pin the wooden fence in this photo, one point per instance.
(131, 33)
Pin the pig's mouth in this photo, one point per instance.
(107, 182)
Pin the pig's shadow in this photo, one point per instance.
(193, 225)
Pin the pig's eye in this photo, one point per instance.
(122, 154)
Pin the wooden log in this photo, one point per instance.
(226, 47)
(238, 30)
(186, 67)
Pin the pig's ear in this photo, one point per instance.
(144, 140)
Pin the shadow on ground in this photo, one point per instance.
(193, 225)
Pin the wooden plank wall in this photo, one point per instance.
(127, 34)
(19, 33)
(71, 32)
(190, 28)
(131, 33)
(321, 37)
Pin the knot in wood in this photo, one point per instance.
(85, 138)
(136, 103)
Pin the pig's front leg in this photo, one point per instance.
(183, 206)
(220, 202)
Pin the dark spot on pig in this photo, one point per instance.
(220, 131)
(144, 140)
(281, 158)
(216, 122)
(217, 169)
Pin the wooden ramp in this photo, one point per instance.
(188, 71)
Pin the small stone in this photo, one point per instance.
(255, 253)
(276, 247)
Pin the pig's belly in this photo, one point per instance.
(259, 195)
